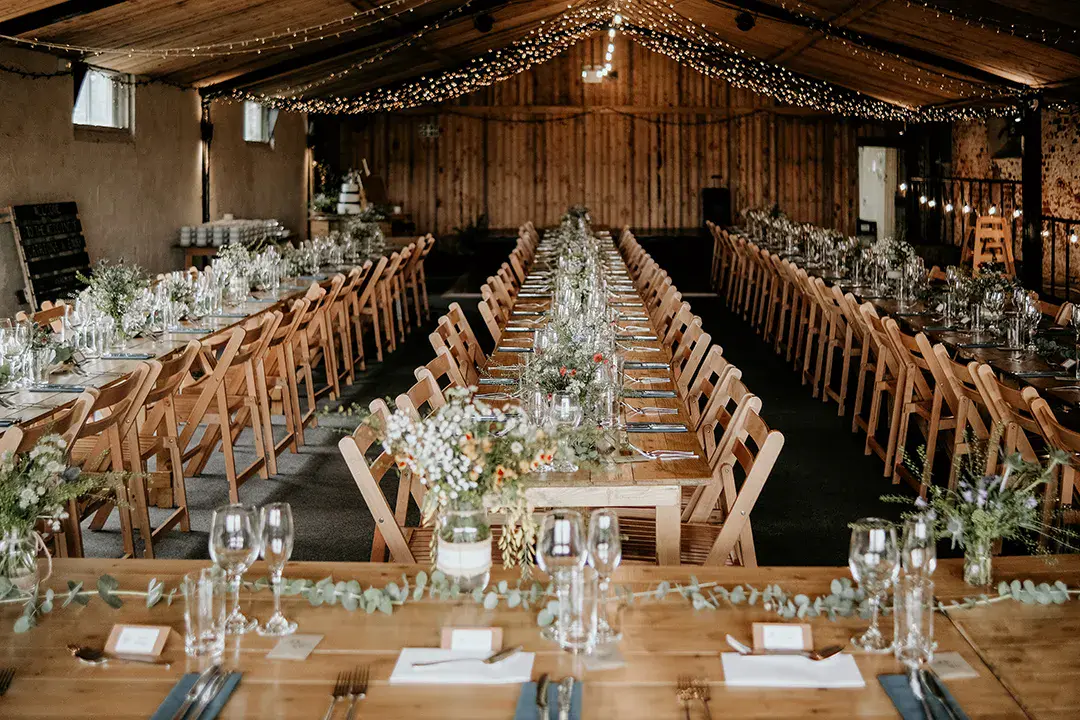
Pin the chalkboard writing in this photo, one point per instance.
(52, 247)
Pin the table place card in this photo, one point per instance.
(479, 639)
(294, 647)
(952, 666)
(780, 671)
(142, 640)
(1068, 363)
(782, 636)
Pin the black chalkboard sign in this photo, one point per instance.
(52, 248)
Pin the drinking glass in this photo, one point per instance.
(605, 554)
(561, 553)
(204, 613)
(566, 412)
(234, 546)
(277, 544)
(874, 560)
(913, 618)
(918, 551)
(1074, 320)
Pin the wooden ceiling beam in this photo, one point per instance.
(855, 11)
(370, 5)
(874, 42)
(336, 52)
(52, 15)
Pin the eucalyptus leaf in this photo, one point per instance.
(74, 588)
(23, 624)
(491, 601)
(545, 617)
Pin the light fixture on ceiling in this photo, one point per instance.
(745, 21)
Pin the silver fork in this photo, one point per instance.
(6, 676)
(358, 690)
(341, 689)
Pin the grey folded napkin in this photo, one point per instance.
(239, 314)
(899, 691)
(519, 329)
(974, 345)
(651, 338)
(649, 393)
(641, 365)
(527, 710)
(256, 300)
(128, 356)
(513, 349)
(190, 331)
(57, 387)
(655, 427)
(497, 381)
(536, 296)
(176, 696)
(6, 423)
(1037, 374)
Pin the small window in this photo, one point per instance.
(106, 100)
(256, 122)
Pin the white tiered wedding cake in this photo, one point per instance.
(349, 197)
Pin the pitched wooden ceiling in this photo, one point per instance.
(893, 50)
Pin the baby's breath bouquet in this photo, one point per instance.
(113, 289)
(367, 237)
(468, 453)
(896, 253)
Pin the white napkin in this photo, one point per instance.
(839, 671)
(514, 669)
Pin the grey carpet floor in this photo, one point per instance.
(822, 482)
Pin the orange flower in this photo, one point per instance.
(562, 371)
(598, 358)
(573, 373)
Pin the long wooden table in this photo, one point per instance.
(1026, 655)
(29, 405)
(636, 482)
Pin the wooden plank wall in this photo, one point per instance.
(636, 149)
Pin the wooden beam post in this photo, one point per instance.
(1031, 179)
(52, 15)
(206, 128)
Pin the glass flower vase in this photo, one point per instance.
(463, 544)
(977, 563)
(18, 559)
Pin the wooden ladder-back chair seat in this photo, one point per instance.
(711, 375)
(340, 323)
(320, 339)
(445, 338)
(666, 311)
(919, 398)
(156, 435)
(962, 396)
(851, 325)
(415, 281)
(384, 300)
(730, 542)
(300, 358)
(233, 404)
(492, 314)
(399, 293)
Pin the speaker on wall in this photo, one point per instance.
(716, 206)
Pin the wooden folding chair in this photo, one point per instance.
(444, 370)
(491, 313)
(366, 309)
(228, 358)
(887, 378)
(384, 300)
(1009, 409)
(711, 375)
(416, 281)
(1062, 489)
(918, 397)
(319, 337)
(953, 380)
(156, 434)
(423, 398)
(277, 377)
(732, 541)
(340, 323)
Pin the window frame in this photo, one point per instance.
(126, 113)
(266, 124)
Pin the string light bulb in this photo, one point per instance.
(922, 199)
(948, 207)
(993, 210)
(1017, 213)
(966, 209)
(932, 203)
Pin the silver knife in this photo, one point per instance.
(201, 682)
(566, 694)
(209, 694)
(541, 698)
(933, 683)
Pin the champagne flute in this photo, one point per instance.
(874, 560)
(560, 552)
(918, 551)
(234, 546)
(277, 544)
(605, 554)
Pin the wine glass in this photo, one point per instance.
(874, 560)
(605, 554)
(277, 544)
(560, 552)
(918, 551)
(566, 412)
(234, 546)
